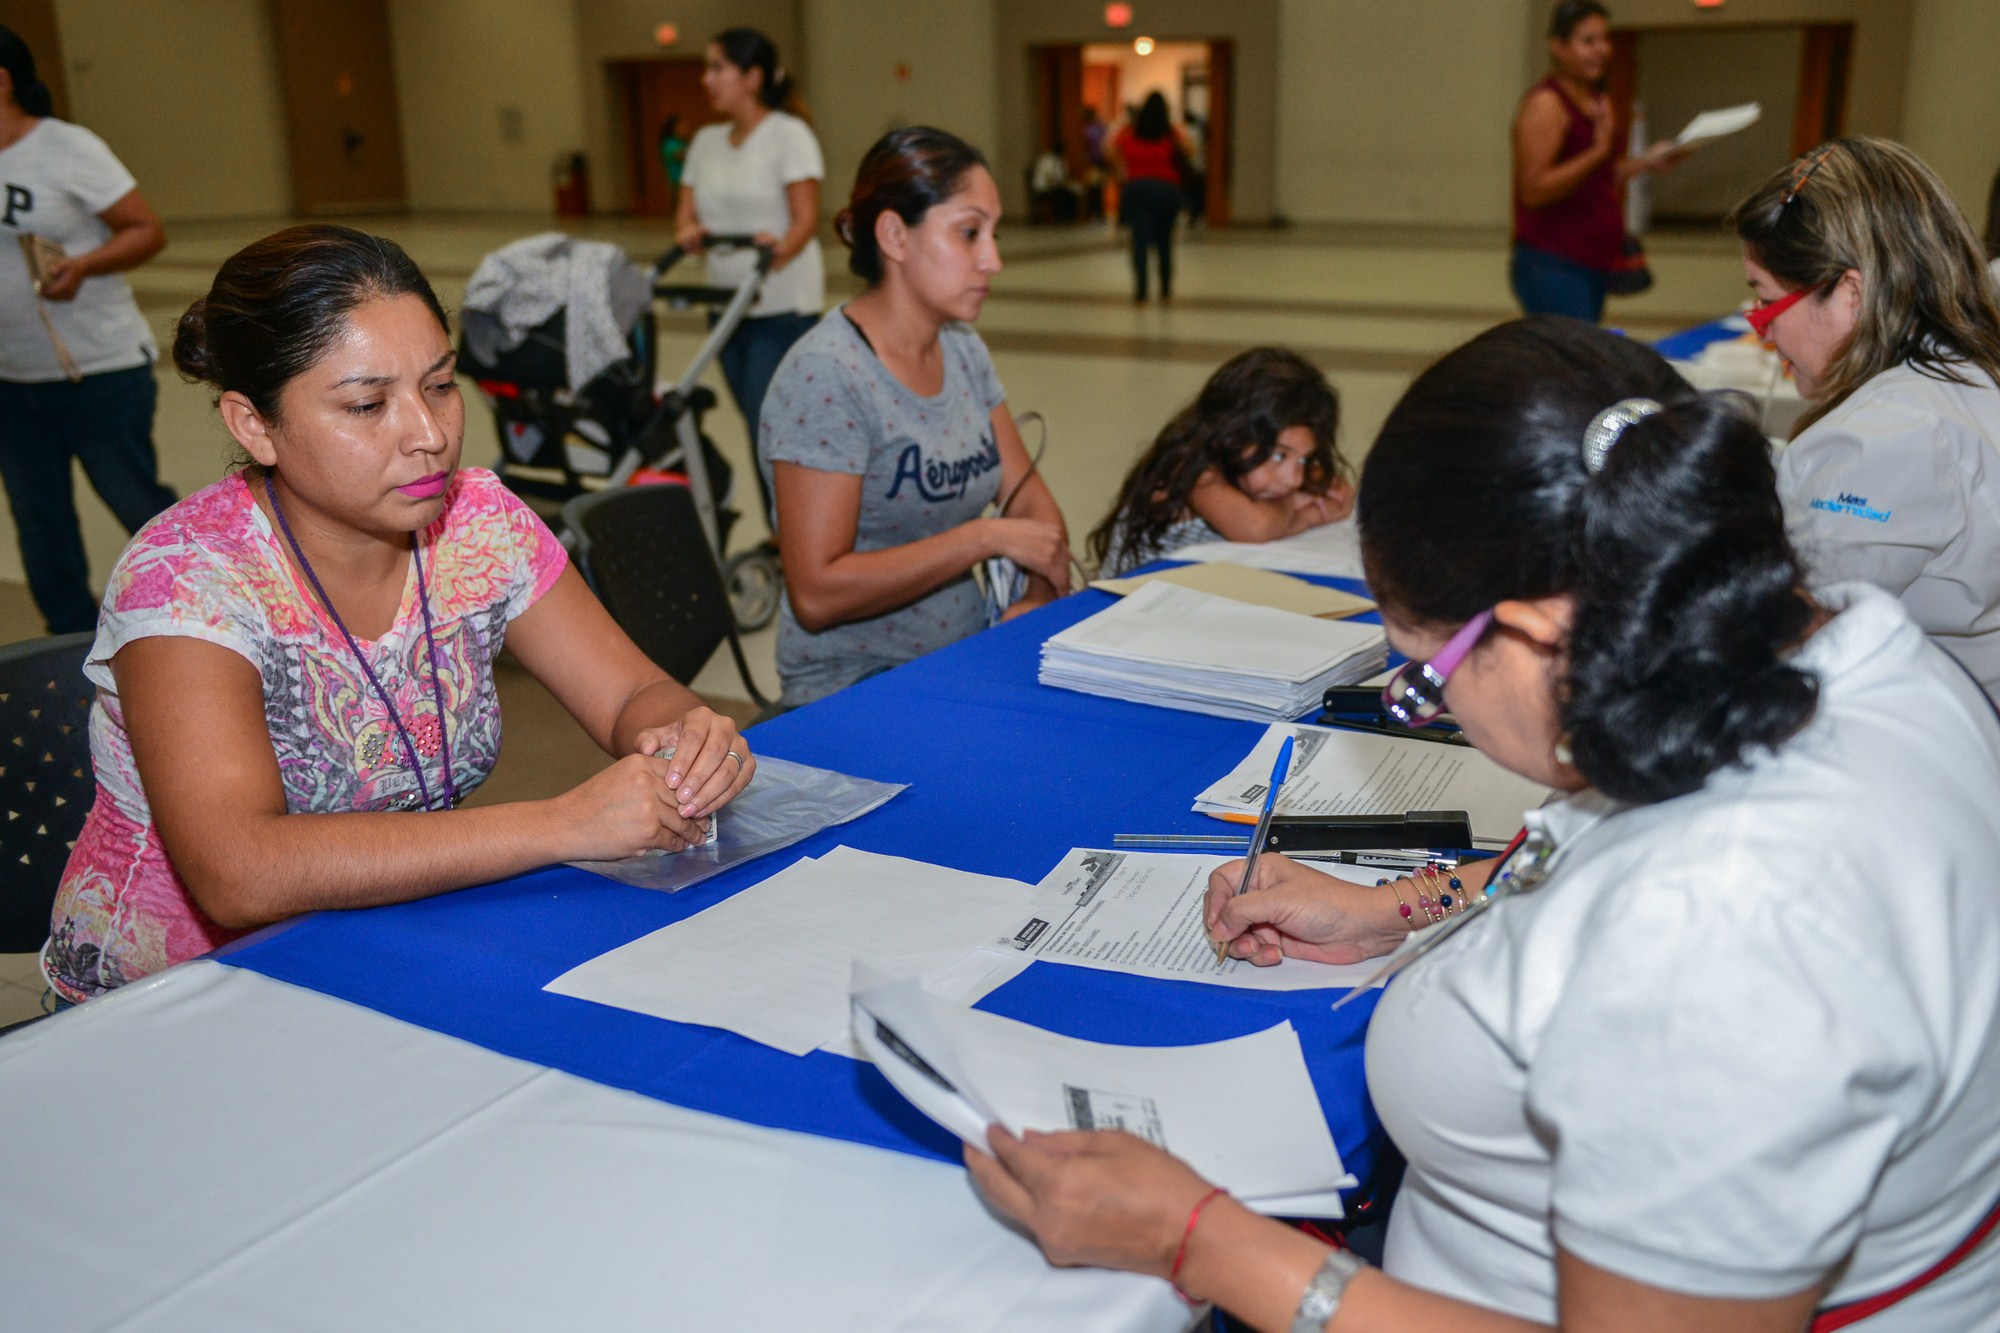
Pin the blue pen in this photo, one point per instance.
(1279, 772)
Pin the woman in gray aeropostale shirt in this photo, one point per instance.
(887, 434)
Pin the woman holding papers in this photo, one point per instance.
(1872, 284)
(888, 435)
(290, 659)
(1723, 1047)
(76, 356)
(1251, 459)
(1569, 223)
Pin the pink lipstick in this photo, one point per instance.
(426, 487)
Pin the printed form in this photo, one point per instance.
(1141, 912)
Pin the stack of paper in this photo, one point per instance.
(1244, 583)
(1338, 772)
(1180, 648)
(1241, 1112)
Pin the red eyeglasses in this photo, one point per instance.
(1765, 313)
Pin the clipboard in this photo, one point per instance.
(40, 254)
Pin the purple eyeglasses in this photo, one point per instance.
(1414, 696)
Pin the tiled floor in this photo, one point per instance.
(1370, 306)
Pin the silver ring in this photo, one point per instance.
(738, 758)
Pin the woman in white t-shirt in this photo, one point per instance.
(756, 175)
(1722, 1050)
(76, 357)
(1872, 284)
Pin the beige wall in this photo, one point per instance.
(489, 96)
(1881, 43)
(610, 30)
(186, 93)
(879, 64)
(1397, 113)
(1951, 113)
(1252, 24)
(1683, 72)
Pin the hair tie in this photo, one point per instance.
(777, 74)
(1608, 425)
(1805, 174)
(843, 227)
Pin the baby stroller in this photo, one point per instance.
(561, 338)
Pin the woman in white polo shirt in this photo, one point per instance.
(757, 175)
(1872, 284)
(1723, 1048)
(76, 356)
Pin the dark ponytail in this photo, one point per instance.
(748, 49)
(907, 172)
(278, 304)
(1687, 593)
(30, 93)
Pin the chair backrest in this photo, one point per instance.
(46, 784)
(643, 550)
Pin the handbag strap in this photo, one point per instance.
(1853, 1312)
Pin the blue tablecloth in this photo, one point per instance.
(1006, 776)
(1687, 344)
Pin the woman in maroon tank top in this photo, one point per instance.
(1569, 222)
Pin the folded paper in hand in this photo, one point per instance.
(1241, 1112)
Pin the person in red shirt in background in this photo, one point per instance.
(1147, 156)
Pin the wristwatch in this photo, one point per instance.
(1323, 1293)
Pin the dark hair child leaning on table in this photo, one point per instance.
(1871, 283)
(887, 434)
(294, 658)
(1724, 1047)
(1251, 459)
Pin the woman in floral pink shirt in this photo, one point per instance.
(291, 661)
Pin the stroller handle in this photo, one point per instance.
(718, 241)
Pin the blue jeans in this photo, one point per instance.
(103, 421)
(1547, 284)
(1150, 207)
(749, 359)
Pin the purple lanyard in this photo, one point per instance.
(430, 642)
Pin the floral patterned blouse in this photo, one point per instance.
(212, 567)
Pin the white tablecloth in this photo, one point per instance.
(211, 1149)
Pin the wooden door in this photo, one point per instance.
(34, 22)
(1825, 58)
(664, 106)
(1221, 122)
(341, 123)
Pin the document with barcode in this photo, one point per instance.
(967, 1070)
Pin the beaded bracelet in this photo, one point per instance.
(1180, 1254)
(1401, 906)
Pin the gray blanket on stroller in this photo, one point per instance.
(519, 286)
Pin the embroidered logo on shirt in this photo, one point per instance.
(936, 479)
(1854, 505)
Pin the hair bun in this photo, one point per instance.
(191, 356)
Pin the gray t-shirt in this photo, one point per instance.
(926, 465)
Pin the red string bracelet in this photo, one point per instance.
(1180, 1255)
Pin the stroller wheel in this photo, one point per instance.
(753, 580)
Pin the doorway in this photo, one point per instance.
(1083, 92)
(341, 122)
(662, 105)
(1798, 72)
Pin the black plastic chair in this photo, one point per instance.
(642, 549)
(46, 784)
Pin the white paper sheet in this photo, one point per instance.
(773, 962)
(1337, 772)
(1141, 912)
(1331, 550)
(1716, 124)
(1185, 649)
(967, 1069)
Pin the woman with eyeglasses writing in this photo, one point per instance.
(1874, 288)
(1720, 1049)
